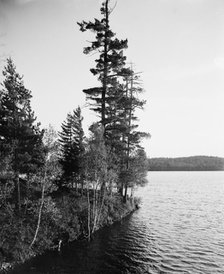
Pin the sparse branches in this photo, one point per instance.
(111, 59)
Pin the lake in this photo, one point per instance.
(178, 229)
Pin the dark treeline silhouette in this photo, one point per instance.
(193, 163)
(58, 186)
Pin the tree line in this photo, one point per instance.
(193, 163)
(57, 185)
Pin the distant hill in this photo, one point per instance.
(193, 163)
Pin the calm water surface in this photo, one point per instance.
(179, 229)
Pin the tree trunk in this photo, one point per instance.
(94, 208)
(105, 71)
(132, 192)
(120, 190)
(18, 192)
(76, 187)
(88, 217)
(132, 195)
(40, 211)
(82, 188)
(125, 193)
(101, 207)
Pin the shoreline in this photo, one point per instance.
(119, 214)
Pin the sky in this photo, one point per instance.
(177, 45)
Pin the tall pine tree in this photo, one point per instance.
(116, 100)
(110, 63)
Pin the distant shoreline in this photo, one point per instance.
(192, 163)
(183, 170)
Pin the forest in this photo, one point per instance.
(193, 163)
(56, 187)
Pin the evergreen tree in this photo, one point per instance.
(71, 139)
(117, 99)
(110, 63)
(20, 137)
(132, 103)
(131, 137)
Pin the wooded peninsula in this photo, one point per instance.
(56, 187)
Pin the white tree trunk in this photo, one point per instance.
(40, 211)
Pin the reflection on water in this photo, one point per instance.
(179, 229)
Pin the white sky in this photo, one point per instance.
(177, 44)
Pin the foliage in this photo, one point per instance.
(135, 174)
(96, 156)
(71, 139)
(20, 137)
(39, 207)
(116, 100)
(110, 63)
(52, 149)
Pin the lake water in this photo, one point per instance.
(178, 229)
